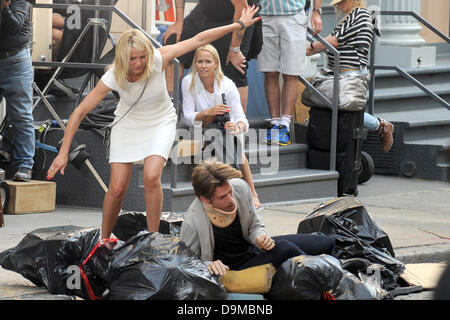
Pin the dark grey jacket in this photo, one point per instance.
(15, 26)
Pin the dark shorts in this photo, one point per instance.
(197, 22)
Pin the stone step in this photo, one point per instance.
(426, 75)
(429, 124)
(285, 186)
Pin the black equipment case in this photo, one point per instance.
(350, 136)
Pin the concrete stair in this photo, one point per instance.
(421, 139)
(279, 174)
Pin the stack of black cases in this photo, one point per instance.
(350, 136)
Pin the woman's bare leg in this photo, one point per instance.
(112, 203)
(153, 166)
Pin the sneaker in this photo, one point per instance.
(284, 137)
(271, 127)
(386, 132)
(23, 174)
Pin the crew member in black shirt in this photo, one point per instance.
(16, 78)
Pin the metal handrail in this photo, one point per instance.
(334, 104)
(156, 44)
(399, 70)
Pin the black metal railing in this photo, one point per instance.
(403, 73)
(334, 104)
(93, 65)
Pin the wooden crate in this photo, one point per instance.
(30, 197)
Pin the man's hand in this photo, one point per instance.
(237, 59)
(176, 28)
(5, 3)
(265, 242)
(316, 22)
(218, 268)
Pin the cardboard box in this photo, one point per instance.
(30, 197)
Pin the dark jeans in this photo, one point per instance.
(288, 246)
(16, 80)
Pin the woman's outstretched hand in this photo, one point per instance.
(59, 164)
(247, 16)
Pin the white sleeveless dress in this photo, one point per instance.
(150, 127)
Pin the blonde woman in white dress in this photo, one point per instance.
(148, 130)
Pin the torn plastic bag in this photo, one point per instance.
(306, 278)
(131, 223)
(356, 234)
(155, 266)
(364, 269)
(49, 257)
(363, 280)
(353, 288)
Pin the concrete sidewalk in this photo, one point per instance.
(414, 214)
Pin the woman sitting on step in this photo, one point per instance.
(203, 92)
(352, 37)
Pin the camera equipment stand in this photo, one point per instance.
(93, 22)
(63, 126)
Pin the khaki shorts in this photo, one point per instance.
(284, 47)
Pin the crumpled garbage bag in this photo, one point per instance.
(50, 257)
(156, 266)
(306, 278)
(356, 234)
(71, 260)
(131, 223)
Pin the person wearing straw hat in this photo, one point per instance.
(352, 37)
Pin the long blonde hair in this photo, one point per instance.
(218, 73)
(131, 39)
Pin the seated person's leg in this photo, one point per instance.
(247, 175)
(282, 251)
(311, 244)
(383, 128)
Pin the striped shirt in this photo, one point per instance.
(354, 35)
(281, 7)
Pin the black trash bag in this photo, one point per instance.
(356, 234)
(51, 257)
(306, 278)
(155, 266)
(130, 224)
(363, 280)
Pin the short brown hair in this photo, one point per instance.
(209, 175)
